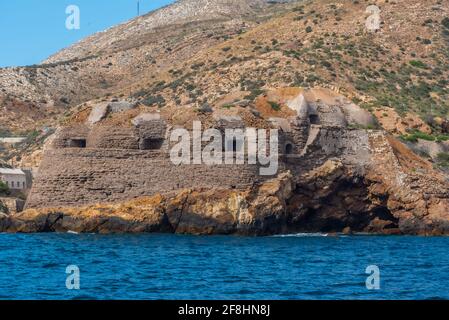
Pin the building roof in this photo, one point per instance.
(11, 171)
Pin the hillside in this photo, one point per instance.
(111, 61)
(97, 117)
(196, 54)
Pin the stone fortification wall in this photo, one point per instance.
(73, 176)
(98, 163)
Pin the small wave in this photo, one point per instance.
(302, 234)
(72, 232)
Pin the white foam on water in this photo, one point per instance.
(302, 234)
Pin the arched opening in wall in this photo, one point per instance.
(288, 148)
(77, 143)
(151, 144)
(314, 119)
(234, 145)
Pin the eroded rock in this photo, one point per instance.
(98, 113)
(332, 197)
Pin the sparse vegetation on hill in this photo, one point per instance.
(191, 57)
(443, 160)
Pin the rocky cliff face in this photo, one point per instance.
(330, 198)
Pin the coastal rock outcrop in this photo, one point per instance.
(259, 211)
(334, 175)
(3, 208)
(397, 193)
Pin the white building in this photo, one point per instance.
(12, 140)
(15, 179)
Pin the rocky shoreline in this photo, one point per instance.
(331, 199)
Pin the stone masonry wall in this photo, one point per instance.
(73, 176)
(95, 164)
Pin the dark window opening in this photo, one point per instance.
(77, 143)
(234, 145)
(288, 148)
(314, 119)
(151, 144)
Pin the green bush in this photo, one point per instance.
(414, 136)
(152, 100)
(4, 189)
(442, 137)
(424, 136)
(418, 64)
(274, 105)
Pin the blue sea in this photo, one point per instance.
(223, 267)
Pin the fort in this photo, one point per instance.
(108, 169)
(95, 162)
(235, 147)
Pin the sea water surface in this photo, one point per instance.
(222, 267)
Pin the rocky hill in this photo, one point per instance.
(180, 13)
(193, 52)
(248, 58)
(106, 63)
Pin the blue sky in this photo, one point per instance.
(31, 30)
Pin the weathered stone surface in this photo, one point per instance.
(11, 204)
(281, 123)
(120, 106)
(146, 117)
(3, 208)
(194, 212)
(299, 105)
(357, 116)
(95, 176)
(98, 113)
(225, 121)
